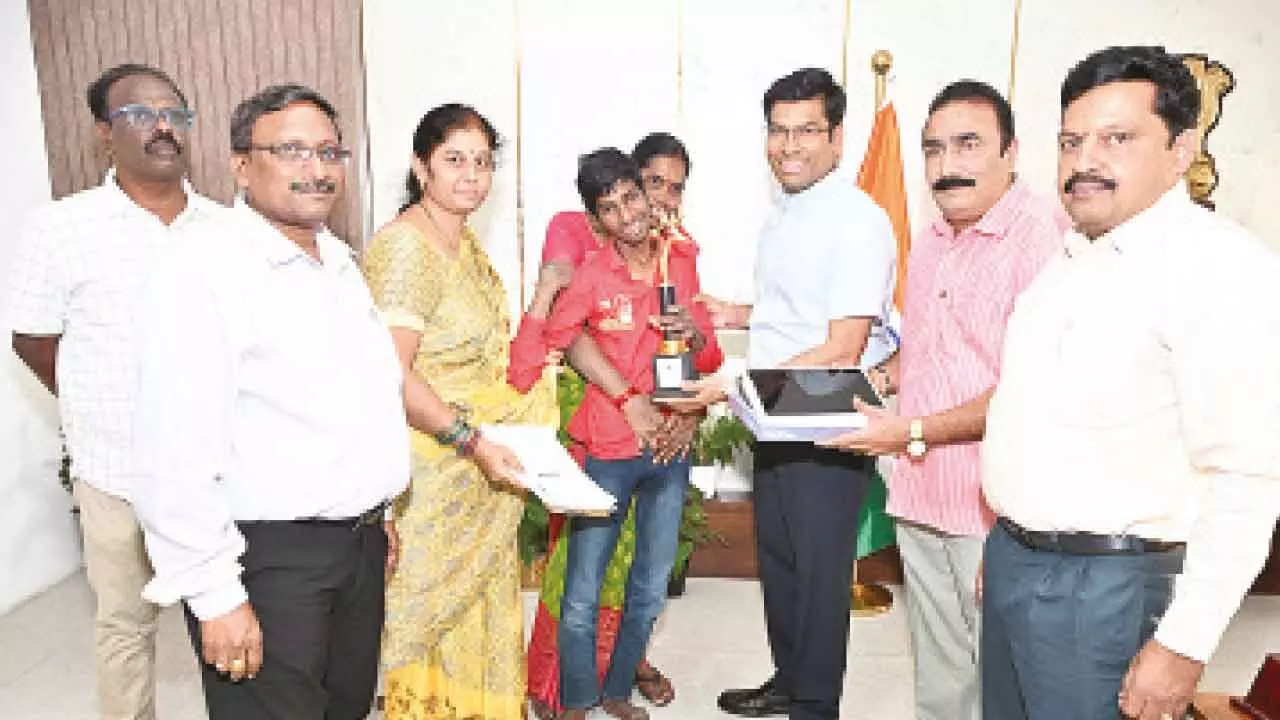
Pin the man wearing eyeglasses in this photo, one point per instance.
(274, 431)
(824, 287)
(79, 266)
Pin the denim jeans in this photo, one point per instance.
(659, 494)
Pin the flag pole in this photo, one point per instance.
(871, 599)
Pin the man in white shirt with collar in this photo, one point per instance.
(824, 289)
(1132, 438)
(80, 265)
(271, 431)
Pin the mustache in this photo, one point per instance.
(1076, 178)
(163, 136)
(319, 185)
(951, 182)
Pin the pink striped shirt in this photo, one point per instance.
(960, 291)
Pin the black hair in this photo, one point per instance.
(661, 144)
(600, 172)
(1177, 96)
(269, 100)
(96, 93)
(807, 84)
(432, 130)
(973, 91)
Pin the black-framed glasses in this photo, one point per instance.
(804, 134)
(296, 152)
(143, 117)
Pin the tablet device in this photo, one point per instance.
(792, 392)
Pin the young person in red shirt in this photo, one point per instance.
(613, 299)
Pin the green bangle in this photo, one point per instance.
(451, 434)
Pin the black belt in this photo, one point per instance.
(372, 516)
(1083, 543)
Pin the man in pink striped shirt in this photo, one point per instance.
(963, 275)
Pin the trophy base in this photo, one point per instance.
(672, 394)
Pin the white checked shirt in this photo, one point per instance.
(79, 267)
(270, 390)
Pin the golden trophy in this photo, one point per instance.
(673, 363)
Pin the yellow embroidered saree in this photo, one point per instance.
(453, 644)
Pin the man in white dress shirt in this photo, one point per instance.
(1132, 438)
(271, 431)
(80, 265)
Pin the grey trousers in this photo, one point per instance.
(1059, 631)
(941, 577)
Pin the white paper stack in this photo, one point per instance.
(550, 472)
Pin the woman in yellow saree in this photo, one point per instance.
(453, 643)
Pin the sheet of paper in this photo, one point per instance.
(550, 472)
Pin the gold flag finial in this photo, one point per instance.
(881, 64)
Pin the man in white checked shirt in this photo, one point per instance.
(80, 264)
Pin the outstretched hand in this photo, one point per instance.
(884, 434)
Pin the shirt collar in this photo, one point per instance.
(618, 264)
(837, 178)
(111, 192)
(1138, 231)
(996, 222)
(279, 250)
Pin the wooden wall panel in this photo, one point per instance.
(219, 52)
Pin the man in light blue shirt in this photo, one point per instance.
(824, 268)
(824, 289)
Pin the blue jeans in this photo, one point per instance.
(659, 494)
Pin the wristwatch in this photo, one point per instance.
(915, 439)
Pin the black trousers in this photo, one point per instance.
(318, 592)
(1059, 631)
(806, 502)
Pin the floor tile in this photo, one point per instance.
(710, 639)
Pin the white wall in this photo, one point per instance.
(38, 543)
(604, 72)
(1244, 35)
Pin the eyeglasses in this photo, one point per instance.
(142, 117)
(298, 153)
(805, 134)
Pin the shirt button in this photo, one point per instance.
(942, 294)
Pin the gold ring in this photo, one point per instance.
(237, 664)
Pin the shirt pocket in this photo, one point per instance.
(976, 314)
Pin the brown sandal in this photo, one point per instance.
(542, 711)
(654, 686)
(624, 710)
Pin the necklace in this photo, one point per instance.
(453, 242)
